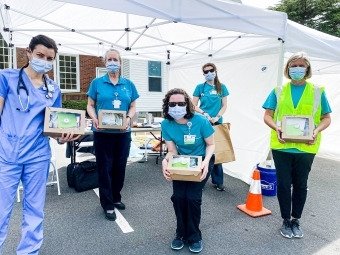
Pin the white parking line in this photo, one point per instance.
(121, 221)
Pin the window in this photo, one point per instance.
(69, 73)
(100, 71)
(155, 76)
(4, 51)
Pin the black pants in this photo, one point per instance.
(292, 169)
(187, 200)
(112, 151)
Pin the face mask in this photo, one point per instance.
(113, 66)
(297, 73)
(41, 66)
(177, 112)
(210, 76)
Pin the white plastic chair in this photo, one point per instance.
(53, 171)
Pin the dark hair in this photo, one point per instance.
(190, 106)
(216, 80)
(44, 40)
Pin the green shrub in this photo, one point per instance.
(75, 104)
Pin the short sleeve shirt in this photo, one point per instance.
(200, 128)
(210, 101)
(103, 92)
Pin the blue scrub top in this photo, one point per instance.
(210, 102)
(21, 133)
(297, 92)
(201, 128)
(102, 91)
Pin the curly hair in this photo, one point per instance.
(190, 106)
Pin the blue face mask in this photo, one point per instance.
(113, 66)
(210, 76)
(41, 66)
(177, 112)
(297, 73)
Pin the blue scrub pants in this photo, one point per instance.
(34, 177)
(217, 174)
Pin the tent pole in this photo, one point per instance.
(127, 31)
(146, 28)
(280, 68)
(228, 44)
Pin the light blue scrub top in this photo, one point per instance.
(297, 92)
(21, 133)
(201, 128)
(102, 91)
(210, 103)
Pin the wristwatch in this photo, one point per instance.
(218, 116)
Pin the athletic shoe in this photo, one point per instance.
(196, 247)
(286, 229)
(220, 187)
(177, 243)
(296, 229)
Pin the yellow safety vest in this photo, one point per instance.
(307, 103)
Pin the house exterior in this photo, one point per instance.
(74, 74)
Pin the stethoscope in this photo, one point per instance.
(22, 85)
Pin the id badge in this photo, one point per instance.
(116, 104)
(189, 139)
(213, 92)
(50, 87)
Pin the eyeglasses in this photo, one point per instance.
(173, 104)
(207, 71)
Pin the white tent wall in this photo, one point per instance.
(331, 136)
(249, 84)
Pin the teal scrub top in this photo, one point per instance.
(102, 91)
(296, 91)
(210, 101)
(201, 128)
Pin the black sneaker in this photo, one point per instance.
(196, 247)
(120, 206)
(296, 229)
(220, 187)
(177, 243)
(286, 229)
(110, 216)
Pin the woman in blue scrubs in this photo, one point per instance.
(187, 133)
(212, 95)
(112, 146)
(24, 150)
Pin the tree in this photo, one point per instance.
(322, 15)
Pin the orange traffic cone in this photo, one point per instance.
(253, 206)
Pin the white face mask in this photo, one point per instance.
(177, 112)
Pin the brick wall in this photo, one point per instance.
(87, 67)
(22, 60)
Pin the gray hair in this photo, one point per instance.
(297, 56)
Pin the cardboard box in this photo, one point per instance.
(185, 168)
(297, 128)
(61, 120)
(111, 119)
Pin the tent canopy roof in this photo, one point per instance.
(173, 31)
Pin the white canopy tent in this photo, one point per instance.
(247, 44)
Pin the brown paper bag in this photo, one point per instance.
(224, 151)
